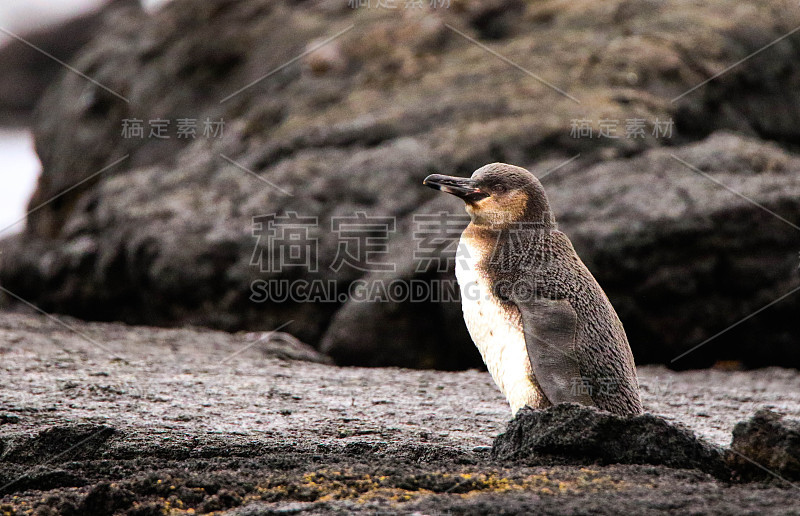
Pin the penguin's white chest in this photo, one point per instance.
(496, 331)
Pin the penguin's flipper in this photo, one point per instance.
(550, 328)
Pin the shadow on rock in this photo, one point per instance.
(575, 434)
(58, 443)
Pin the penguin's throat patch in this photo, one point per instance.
(493, 244)
(479, 244)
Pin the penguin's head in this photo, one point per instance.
(497, 195)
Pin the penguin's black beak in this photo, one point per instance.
(463, 187)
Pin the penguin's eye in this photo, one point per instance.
(499, 188)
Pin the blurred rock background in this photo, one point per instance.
(688, 233)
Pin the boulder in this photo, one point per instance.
(767, 446)
(170, 231)
(575, 434)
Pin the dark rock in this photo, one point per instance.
(36, 477)
(8, 419)
(225, 499)
(106, 498)
(165, 236)
(575, 434)
(156, 508)
(767, 446)
(495, 19)
(27, 71)
(685, 250)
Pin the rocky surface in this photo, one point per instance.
(164, 234)
(112, 419)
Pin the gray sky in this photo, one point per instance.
(19, 168)
(24, 15)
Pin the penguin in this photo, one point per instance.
(544, 328)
